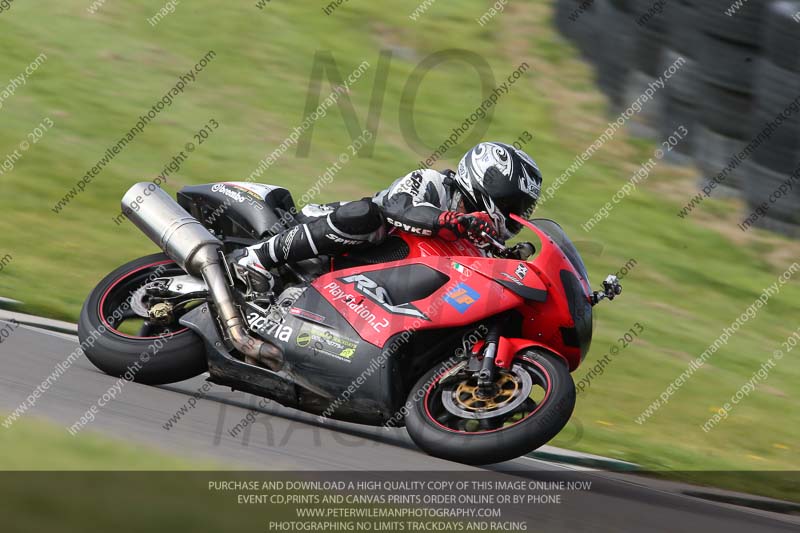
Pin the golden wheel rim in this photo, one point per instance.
(508, 388)
(457, 405)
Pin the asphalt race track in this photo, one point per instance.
(282, 439)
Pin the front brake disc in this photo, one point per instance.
(461, 400)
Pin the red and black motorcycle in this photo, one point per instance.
(472, 353)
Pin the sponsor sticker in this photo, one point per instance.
(234, 192)
(307, 315)
(512, 278)
(223, 189)
(266, 326)
(257, 190)
(356, 304)
(462, 297)
(327, 342)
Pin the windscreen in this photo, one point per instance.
(554, 231)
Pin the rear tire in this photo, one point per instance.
(159, 358)
(513, 438)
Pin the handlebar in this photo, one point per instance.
(494, 242)
(521, 251)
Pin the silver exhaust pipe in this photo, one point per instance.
(198, 252)
(167, 224)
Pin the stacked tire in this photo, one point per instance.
(566, 16)
(772, 182)
(728, 50)
(739, 71)
(649, 29)
(615, 49)
(577, 20)
(600, 31)
(681, 107)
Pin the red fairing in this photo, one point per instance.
(432, 247)
(543, 321)
(466, 298)
(477, 287)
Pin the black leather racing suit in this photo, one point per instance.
(413, 203)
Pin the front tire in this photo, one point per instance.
(535, 401)
(153, 355)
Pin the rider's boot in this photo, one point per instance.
(248, 268)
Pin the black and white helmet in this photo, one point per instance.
(501, 180)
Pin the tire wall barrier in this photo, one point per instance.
(737, 92)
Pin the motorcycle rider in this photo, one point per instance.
(493, 181)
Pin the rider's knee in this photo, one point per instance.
(362, 220)
(359, 217)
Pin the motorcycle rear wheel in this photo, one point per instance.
(534, 401)
(154, 354)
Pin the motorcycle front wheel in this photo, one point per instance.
(530, 403)
(123, 344)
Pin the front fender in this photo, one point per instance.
(508, 348)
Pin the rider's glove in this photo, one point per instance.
(478, 224)
(454, 225)
(449, 226)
